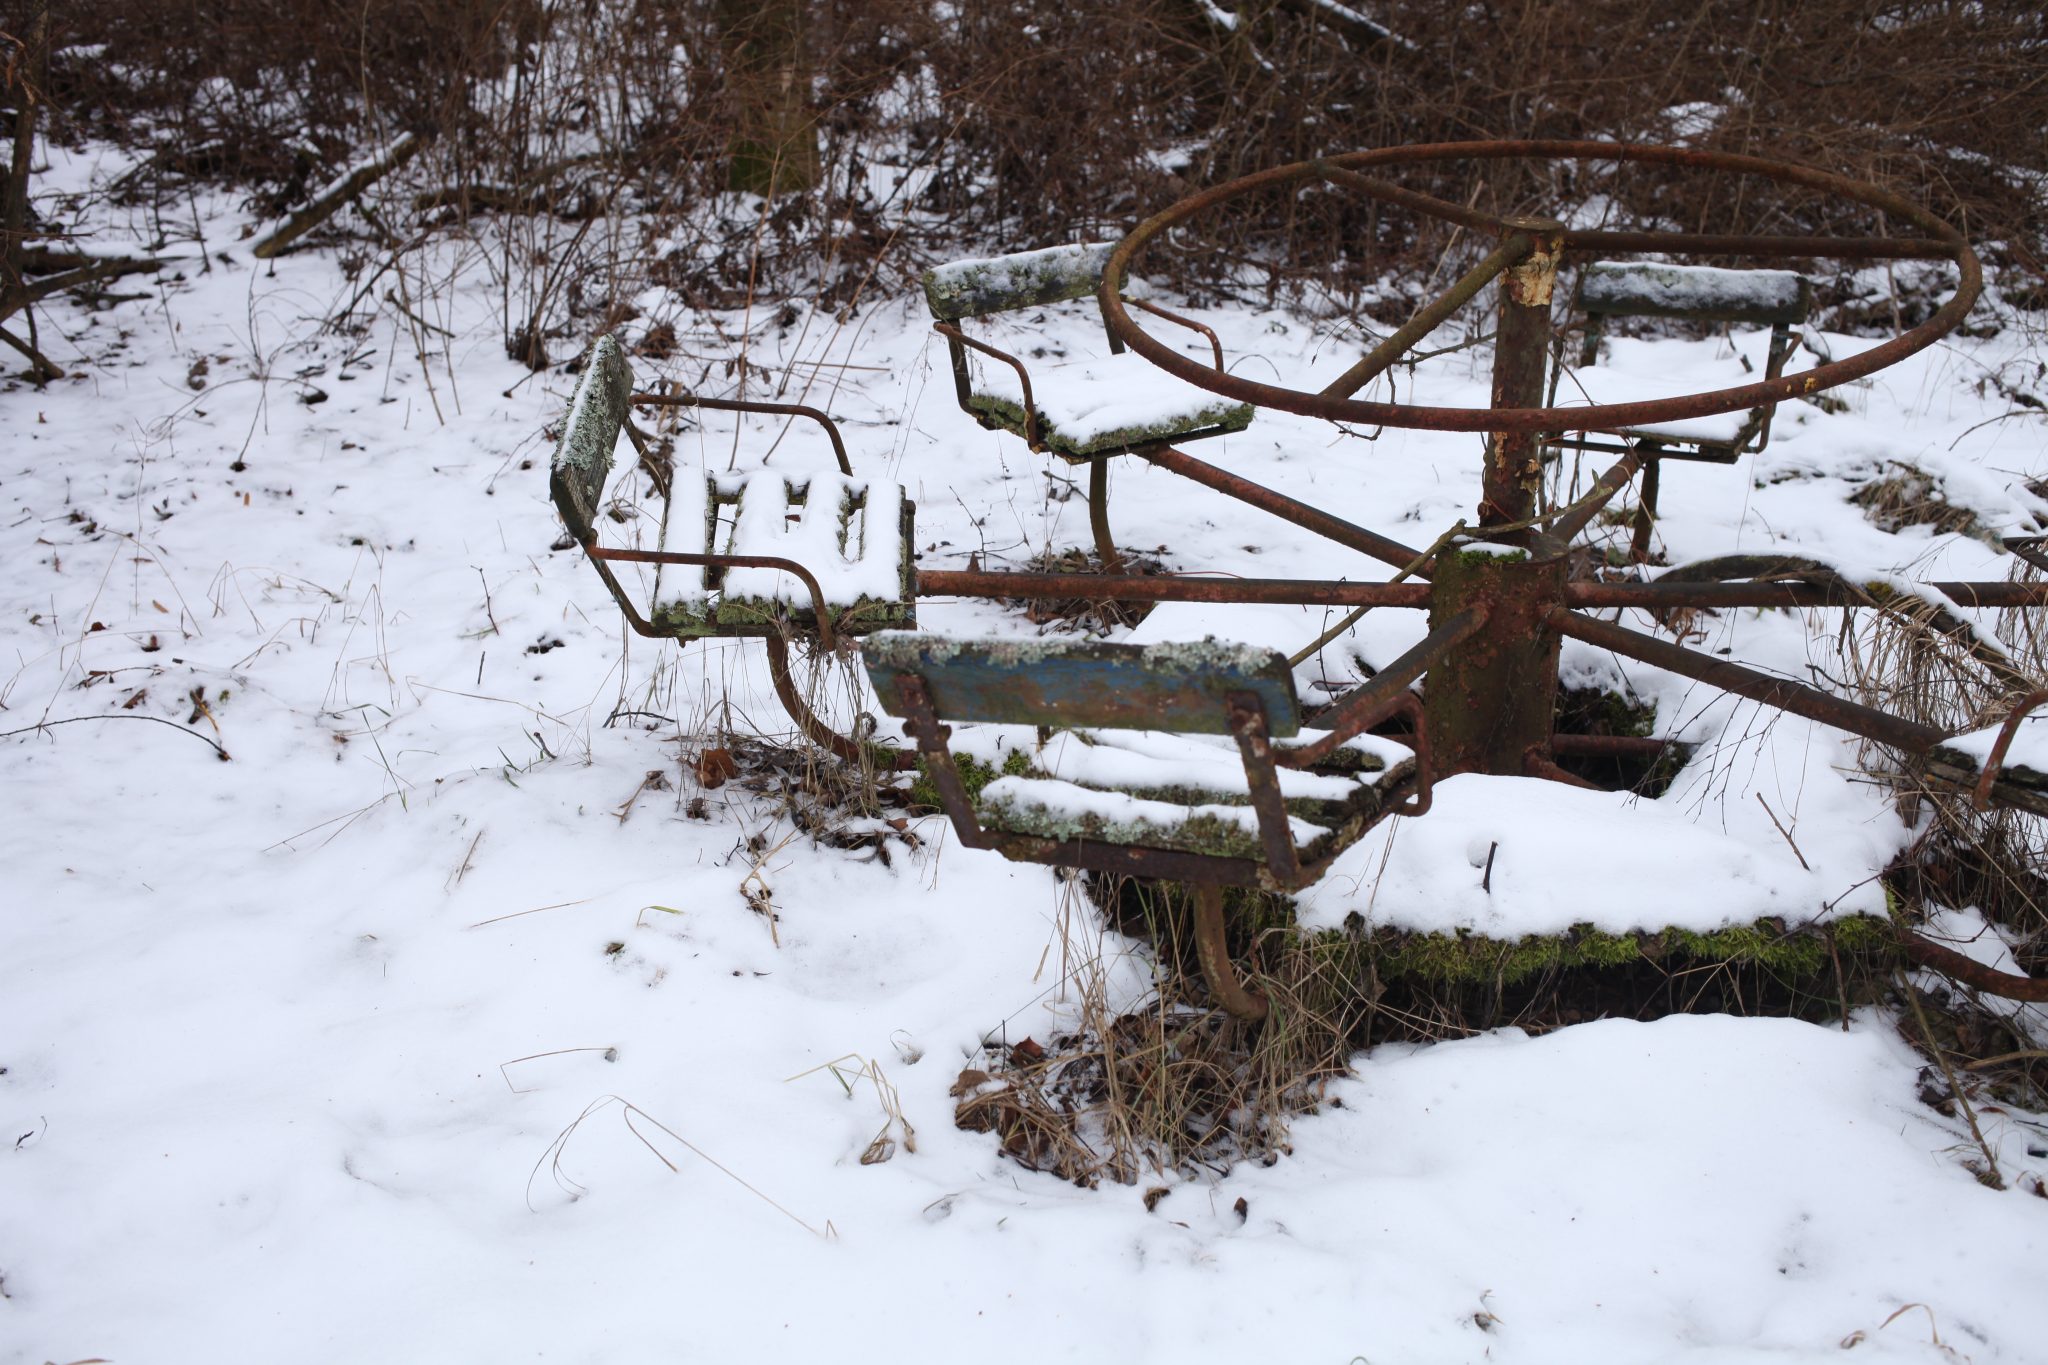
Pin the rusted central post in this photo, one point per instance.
(1521, 350)
(1492, 699)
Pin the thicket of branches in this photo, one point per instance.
(937, 127)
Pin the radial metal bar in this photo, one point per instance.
(1367, 704)
(1659, 596)
(1288, 509)
(1414, 200)
(1908, 736)
(1736, 244)
(1312, 592)
(1602, 492)
(1511, 251)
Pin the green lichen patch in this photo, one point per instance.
(974, 775)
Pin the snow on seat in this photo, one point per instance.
(1203, 777)
(854, 535)
(1108, 404)
(1186, 792)
(1637, 374)
(1077, 410)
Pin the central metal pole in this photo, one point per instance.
(1521, 351)
(1491, 701)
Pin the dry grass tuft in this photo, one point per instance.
(1903, 495)
(1910, 658)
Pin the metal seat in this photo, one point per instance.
(1092, 408)
(760, 554)
(1780, 299)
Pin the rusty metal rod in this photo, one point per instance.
(1167, 588)
(1430, 316)
(1942, 239)
(1610, 746)
(1213, 952)
(1662, 596)
(1973, 973)
(1370, 703)
(1387, 192)
(1735, 244)
(1536, 764)
(684, 400)
(1288, 509)
(1899, 733)
(788, 566)
(1602, 492)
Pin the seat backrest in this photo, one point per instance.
(1709, 293)
(1184, 688)
(1024, 279)
(596, 414)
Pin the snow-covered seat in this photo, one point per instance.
(1779, 299)
(1081, 409)
(1150, 760)
(738, 554)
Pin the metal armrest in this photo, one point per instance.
(956, 339)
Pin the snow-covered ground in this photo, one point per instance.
(408, 1032)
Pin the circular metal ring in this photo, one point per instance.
(1943, 242)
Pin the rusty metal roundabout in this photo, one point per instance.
(1499, 591)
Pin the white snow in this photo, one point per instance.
(1089, 399)
(2027, 749)
(1049, 801)
(1686, 289)
(414, 1030)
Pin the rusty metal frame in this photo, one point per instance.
(1473, 618)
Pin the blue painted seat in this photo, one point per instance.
(1152, 760)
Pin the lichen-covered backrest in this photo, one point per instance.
(584, 457)
(1024, 279)
(1183, 687)
(1709, 293)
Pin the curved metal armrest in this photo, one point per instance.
(600, 553)
(957, 339)
(685, 400)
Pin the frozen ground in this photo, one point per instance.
(295, 1045)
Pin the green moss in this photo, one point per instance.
(1595, 711)
(1491, 556)
(1464, 958)
(974, 775)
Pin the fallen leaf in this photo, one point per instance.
(715, 767)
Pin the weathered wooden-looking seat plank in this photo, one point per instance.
(739, 555)
(1135, 786)
(1079, 410)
